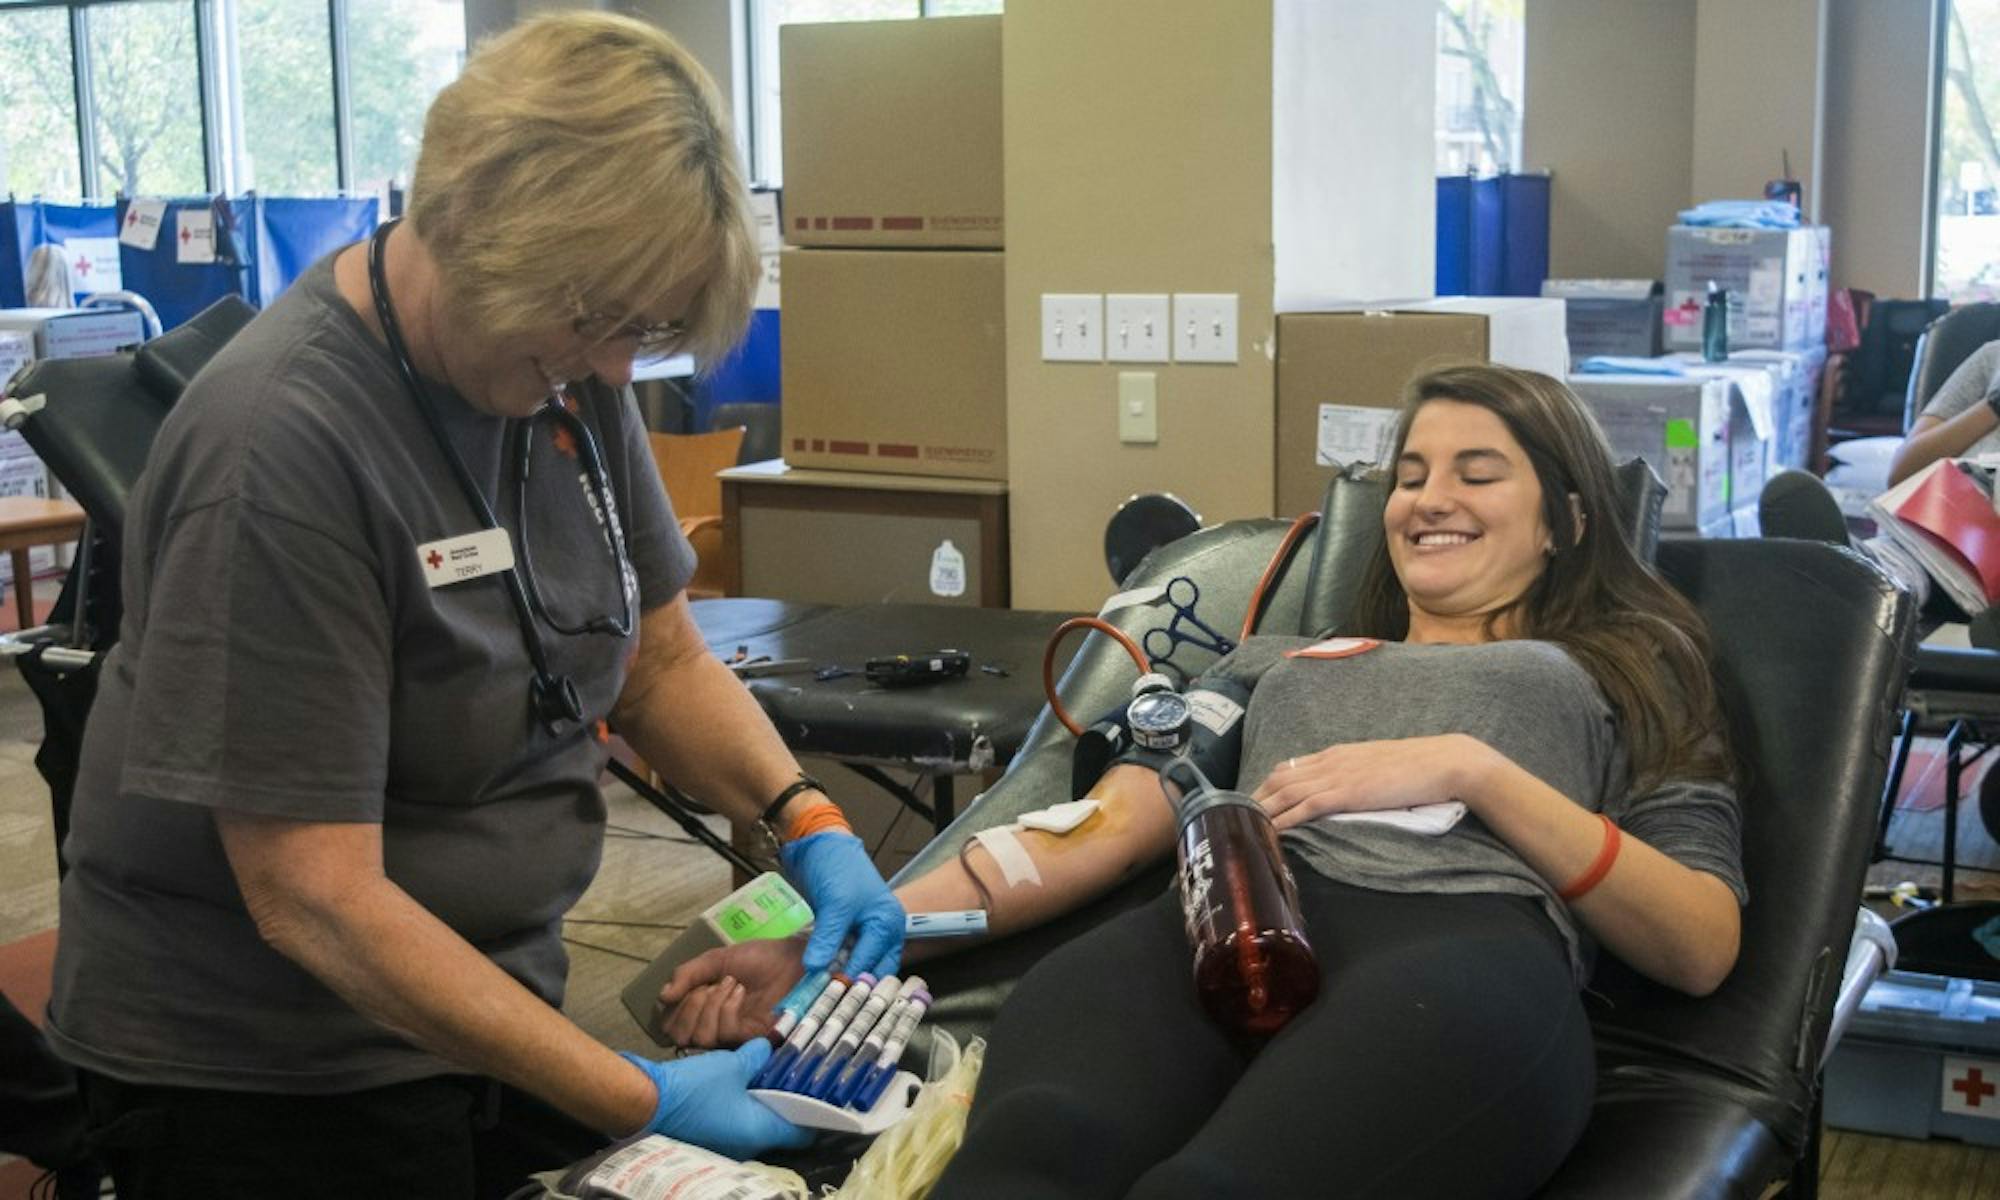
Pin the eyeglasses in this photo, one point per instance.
(652, 337)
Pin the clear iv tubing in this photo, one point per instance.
(1283, 555)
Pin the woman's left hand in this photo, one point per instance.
(1370, 776)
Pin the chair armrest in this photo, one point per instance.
(1870, 954)
(693, 525)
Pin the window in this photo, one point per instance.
(400, 53)
(183, 97)
(145, 98)
(766, 134)
(1967, 264)
(38, 144)
(1479, 74)
(281, 62)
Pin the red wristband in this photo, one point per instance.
(1600, 867)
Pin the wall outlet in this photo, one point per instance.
(1136, 328)
(1072, 327)
(1138, 407)
(1205, 327)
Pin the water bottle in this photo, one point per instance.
(1254, 968)
(1715, 325)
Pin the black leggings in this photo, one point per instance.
(1447, 1055)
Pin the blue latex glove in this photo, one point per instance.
(847, 896)
(704, 1100)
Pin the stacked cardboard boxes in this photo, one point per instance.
(894, 354)
(1341, 374)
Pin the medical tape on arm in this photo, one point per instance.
(1003, 845)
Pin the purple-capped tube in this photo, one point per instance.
(863, 1061)
(800, 1036)
(892, 1051)
(815, 1051)
(844, 1046)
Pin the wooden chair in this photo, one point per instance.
(688, 463)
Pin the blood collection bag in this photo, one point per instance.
(1254, 968)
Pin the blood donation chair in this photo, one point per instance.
(92, 421)
(1696, 1097)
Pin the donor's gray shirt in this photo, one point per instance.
(283, 653)
(1529, 700)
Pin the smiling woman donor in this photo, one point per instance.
(396, 554)
(1519, 660)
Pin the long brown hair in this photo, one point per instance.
(1638, 638)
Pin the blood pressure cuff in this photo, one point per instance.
(1215, 742)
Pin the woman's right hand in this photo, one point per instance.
(726, 997)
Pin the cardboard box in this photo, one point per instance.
(892, 133)
(896, 360)
(1341, 374)
(1618, 317)
(1680, 427)
(845, 537)
(1776, 280)
(76, 332)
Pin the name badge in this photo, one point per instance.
(468, 556)
(1335, 648)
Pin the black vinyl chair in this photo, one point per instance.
(1942, 347)
(1710, 1097)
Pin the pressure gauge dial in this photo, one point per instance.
(1159, 720)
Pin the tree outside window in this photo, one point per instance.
(38, 148)
(1967, 266)
(400, 54)
(147, 96)
(283, 59)
(1479, 83)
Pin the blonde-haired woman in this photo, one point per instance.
(398, 552)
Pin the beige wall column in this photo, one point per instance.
(1610, 113)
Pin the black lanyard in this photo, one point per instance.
(553, 697)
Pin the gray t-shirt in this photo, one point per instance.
(282, 653)
(1967, 386)
(1529, 700)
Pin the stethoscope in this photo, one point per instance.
(552, 696)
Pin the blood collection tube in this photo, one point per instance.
(863, 1059)
(884, 1069)
(844, 1046)
(808, 1060)
(808, 1026)
(796, 1002)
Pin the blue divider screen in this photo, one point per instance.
(26, 224)
(293, 234)
(179, 290)
(1492, 235)
(750, 374)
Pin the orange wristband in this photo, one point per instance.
(817, 818)
(1600, 867)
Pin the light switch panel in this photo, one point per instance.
(1205, 327)
(1072, 327)
(1138, 407)
(1135, 327)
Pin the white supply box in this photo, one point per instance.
(1680, 427)
(1776, 280)
(75, 332)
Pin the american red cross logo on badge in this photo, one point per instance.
(435, 559)
(1974, 1087)
(83, 266)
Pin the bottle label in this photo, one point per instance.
(1197, 880)
(947, 570)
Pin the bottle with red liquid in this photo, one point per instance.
(1254, 968)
